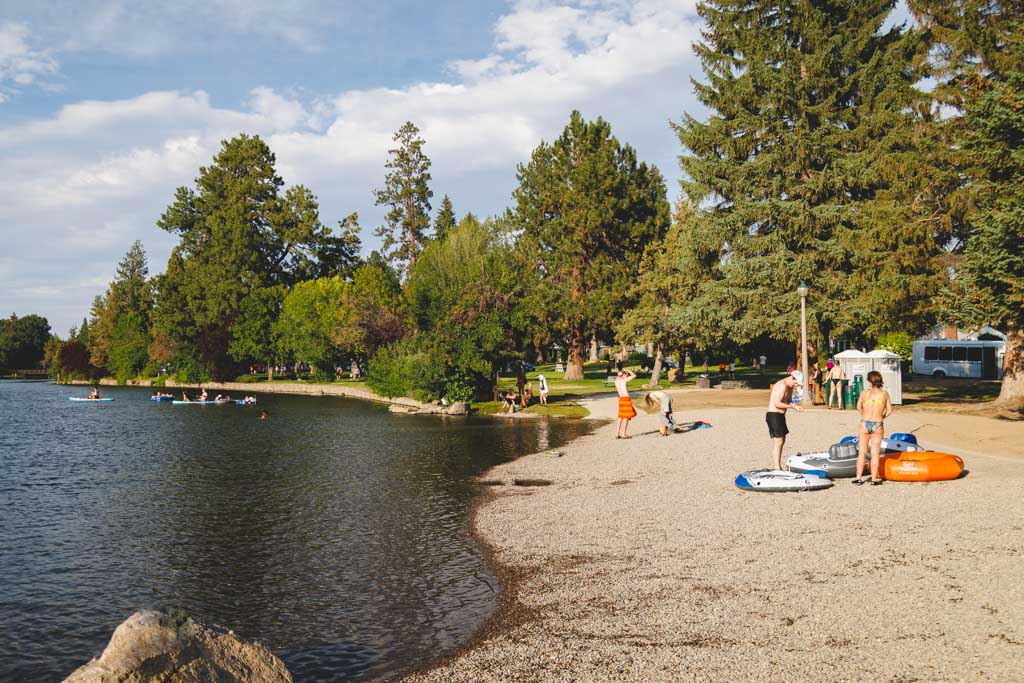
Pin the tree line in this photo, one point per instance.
(825, 159)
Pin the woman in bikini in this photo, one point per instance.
(874, 406)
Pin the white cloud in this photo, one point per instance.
(97, 175)
(21, 65)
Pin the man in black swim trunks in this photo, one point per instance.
(780, 401)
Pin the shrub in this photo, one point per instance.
(247, 379)
(458, 390)
(898, 342)
(402, 369)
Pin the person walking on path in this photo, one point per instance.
(663, 400)
(835, 384)
(874, 406)
(626, 410)
(779, 402)
(762, 363)
(542, 382)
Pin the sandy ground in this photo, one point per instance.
(643, 562)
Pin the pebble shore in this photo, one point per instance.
(641, 561)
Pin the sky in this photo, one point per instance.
(107, 106)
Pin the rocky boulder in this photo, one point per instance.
(458, 408)
(156, 646)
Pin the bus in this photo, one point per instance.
(967, 358)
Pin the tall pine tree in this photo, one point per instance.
(587, 209)
(814, 165)
(445, 220)
(407, 195)
(979, 59)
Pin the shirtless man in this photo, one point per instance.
(778, 403)
(626, 410)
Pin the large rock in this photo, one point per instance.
(458, 408)
(154, 646)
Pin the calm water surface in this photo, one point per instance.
(335, 532)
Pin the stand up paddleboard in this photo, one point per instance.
(90, 400)
(780, 481)
(202, 403)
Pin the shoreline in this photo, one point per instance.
(579, 602)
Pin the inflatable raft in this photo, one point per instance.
(161, 398)
(921, 466)
(780, 481)
(890, 444)
(824, 465)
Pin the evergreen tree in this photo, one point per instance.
(238, 231)
(445, 220)
(980, 63)
(587, 208)
(816, 164)
(407, 195)
(130, 293)
(256, 335)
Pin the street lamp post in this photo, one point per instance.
(802, 290)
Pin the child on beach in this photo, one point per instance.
(626, 410)
(664, 402)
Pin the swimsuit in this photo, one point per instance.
(777, 427)
(871, 427)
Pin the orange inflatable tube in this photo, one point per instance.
(921, 466)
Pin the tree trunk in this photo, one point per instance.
(539, 346)
(656, 371)
(574, 366)
(270, 372)
(650, 349)
(593, 349)
(1011, 393)
(497, 378)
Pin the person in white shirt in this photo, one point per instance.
(543, 386)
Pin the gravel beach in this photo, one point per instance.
(642, 561)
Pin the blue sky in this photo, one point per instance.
(106, 106)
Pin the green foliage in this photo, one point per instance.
(371, 311)
(407, 195)
(445, 220)
(818, 163)
(247, 379)
(188, 369)
(256, 335)
(586, 208)
(238, 231)
(898, 342)
(23, 341)
(129, 349)
(458, 390)
(307, 322)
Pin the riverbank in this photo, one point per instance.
(642, 561)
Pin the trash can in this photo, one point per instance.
(849, 399)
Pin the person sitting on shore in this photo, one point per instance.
(663, 400)
(874, 405)
(510, 400)
(527, 395)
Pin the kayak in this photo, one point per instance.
(780, 481)
(161, 398)
(921, 466)
(90, 400)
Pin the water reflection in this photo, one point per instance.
(334, 532)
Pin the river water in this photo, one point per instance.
(334, 532)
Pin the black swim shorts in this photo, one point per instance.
(776, 425)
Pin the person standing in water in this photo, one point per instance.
(874, 406)
(626, 410)
(779, 402)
